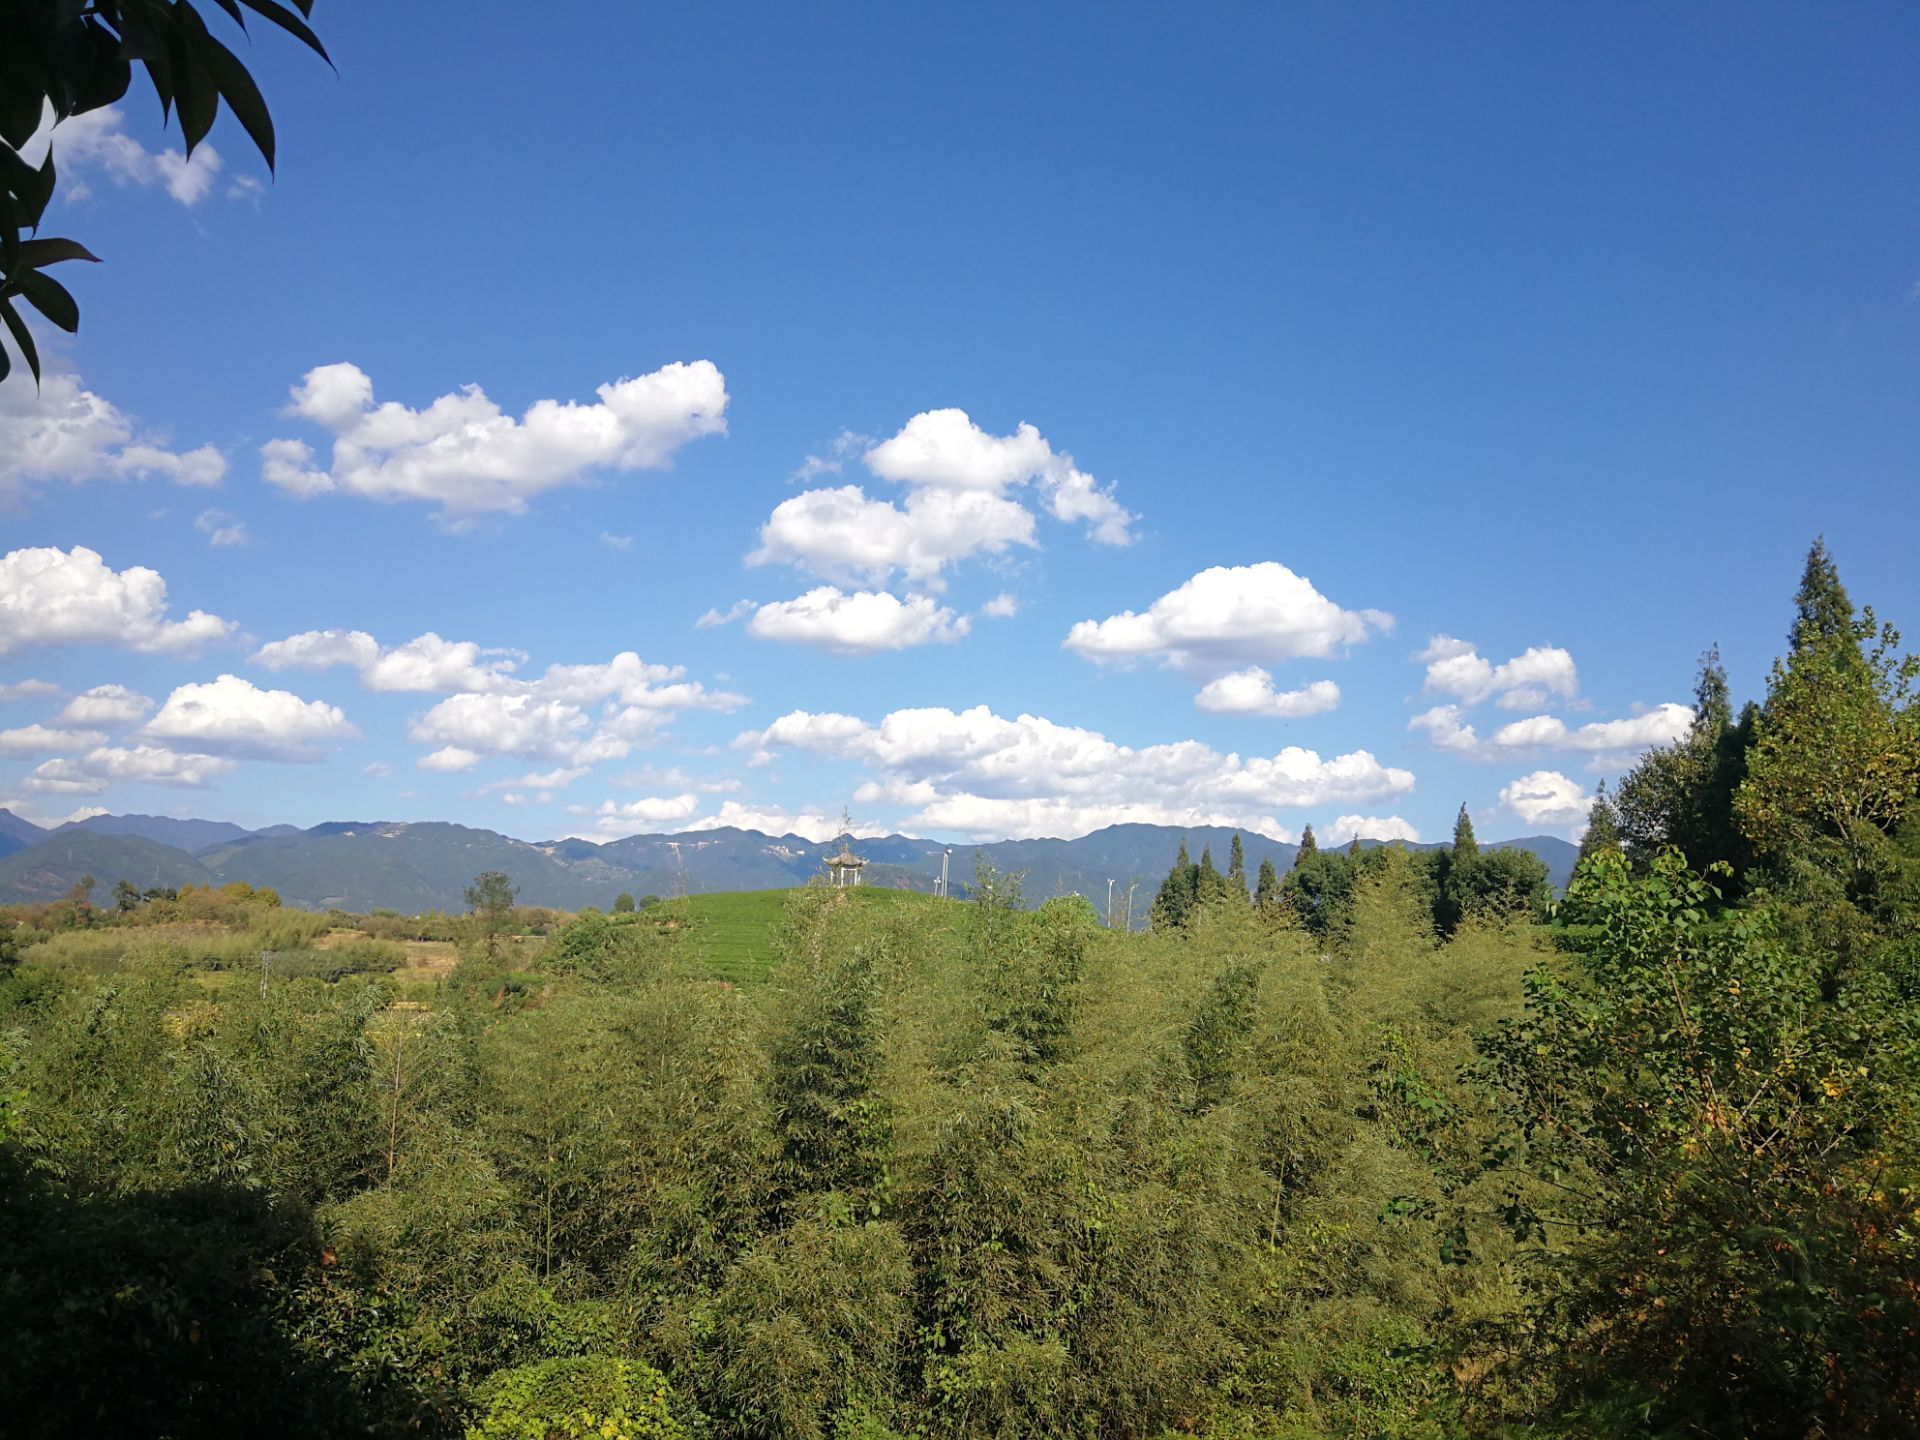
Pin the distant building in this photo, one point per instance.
(844, 869)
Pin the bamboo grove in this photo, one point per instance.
(1396, 1144)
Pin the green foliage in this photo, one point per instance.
(604, 948)
(71, 59)
(1723, 1161)
(623, 903)
(1682, 795)
(1367, 1158)
(1309, 847)
(1603, 826)
(1319, 888)
(1466, 849)
(490, 899)
(830, 1126)
(588, 1398)
(1266, 893)
(806, 1324)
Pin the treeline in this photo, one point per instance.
(1376, 1155)
(1457, 882)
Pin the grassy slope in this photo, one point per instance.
(731, 934)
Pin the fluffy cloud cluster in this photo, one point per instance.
(232, 717)
(425, 664)
(492, 710)
(64, 433)
(1228, 615)
(861, 623)
(115, 706)
(1447, 729)
(94, 772)
(464, 454)
(976, 772)
(72, 597)
(95, 143)
(966, 497)
(1661, 725)
(1546, 797)
(945, 450)
(42, 740)
(844, 536)
(1251, 692)
(1526, 682)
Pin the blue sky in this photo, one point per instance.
(1334, 329)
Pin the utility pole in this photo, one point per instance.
(1109, 902)
(266, 963)
(945, 891)
(1130, 885)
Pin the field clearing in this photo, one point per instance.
(730, 934)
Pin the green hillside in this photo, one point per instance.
(731, 934)
(48, 870)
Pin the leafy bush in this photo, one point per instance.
(590, 1398)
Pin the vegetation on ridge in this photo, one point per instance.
(1389, 1144)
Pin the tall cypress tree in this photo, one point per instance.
(1822, 610)
(1603, 826)
(1267, 893)
(1309, 847)
(1465, 847)
(1210, 884)
(1237, 869)
(1174, 904)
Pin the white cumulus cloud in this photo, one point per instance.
(978, 772)
(860, 623)
(65, 434)
(464, 454)
(97, 770)
(1251, 692)
(1228, 614)
(1661, 725)
(71, 597)
(42, 740)
(944, 449)
(94, 143)
(843, 536)
(1546, 797)
(231, 716)
(965, 498)
(1528, 680)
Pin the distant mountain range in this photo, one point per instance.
(411, 867)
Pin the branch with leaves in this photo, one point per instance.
(61, 58)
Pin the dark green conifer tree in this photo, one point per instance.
(1465, 847)
(1237, 870)
(1603, 826)
(1178, 893)
(1823, 612)
(1210, 884)
(1266, 893)
(1309, 847)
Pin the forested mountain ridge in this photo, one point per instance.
(415, 866)
(17, 834)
